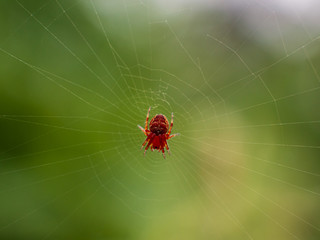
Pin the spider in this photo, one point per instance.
(158, 133)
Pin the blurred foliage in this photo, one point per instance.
(78, 76)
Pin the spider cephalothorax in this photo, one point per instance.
(158, 133)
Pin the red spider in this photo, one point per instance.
(158, 134)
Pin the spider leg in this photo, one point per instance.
(146, 132)
(147, 120)
(142, 129)
(150, 143)
(148, 139)
(164, 156)
(171, 124)
(147, 147)
(167, 147)
(144, 143)
(173, 135)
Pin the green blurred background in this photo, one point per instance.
(77, 77)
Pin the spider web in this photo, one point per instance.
(241, 78)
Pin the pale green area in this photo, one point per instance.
(72, 92)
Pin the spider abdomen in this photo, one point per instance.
(159, 124)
